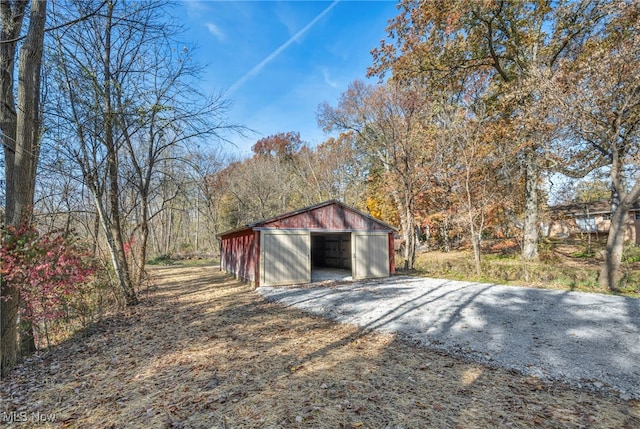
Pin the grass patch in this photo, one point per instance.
(631, 254)
(161, 260)
(567, 268)
(586, 253)
(199, 263)
(187, 261)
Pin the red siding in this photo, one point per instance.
(330, 217)
(240, 249)
(239, 254)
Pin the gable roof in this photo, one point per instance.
(285, 219)
(583, 209)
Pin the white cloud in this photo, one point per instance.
(196, 9)
(327, 78)
(215, 30)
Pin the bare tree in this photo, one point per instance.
(209, 194)
(20, 126)
(130, 113)
(170, 117)
(93, 58)
(334, 170)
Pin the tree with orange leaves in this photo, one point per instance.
(596, 101)
(440, 41)
(392, 126)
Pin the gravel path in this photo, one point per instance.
(586, 340)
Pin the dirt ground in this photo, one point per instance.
(205, 351)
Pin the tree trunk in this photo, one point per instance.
(407, 222)
(532, 172)
(117, 246)
(9, 326)
(410, 240)
(609, 272)
(169, 231)
(96, 235)
(477, 256)
(9, 31)
(144, 239)
(445, 234)
(27, 344)
(116, 237)
(28, 132)
(21, 134)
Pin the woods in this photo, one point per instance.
(116, 156)
(120, 112)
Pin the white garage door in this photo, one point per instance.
(370, 255)
(285, 257)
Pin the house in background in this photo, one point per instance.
(287, 249)
(591, 218)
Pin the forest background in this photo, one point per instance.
(114, 157)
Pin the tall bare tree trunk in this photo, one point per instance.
(29, 123)
(532, 173)
(477, 252)
(609, 273)
(11, 25)
(144, 239)
(20, 126)
(121, 264)
(409, 231)
(407, 221)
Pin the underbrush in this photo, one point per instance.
(566, 269)
(183, 259)
(90, 304)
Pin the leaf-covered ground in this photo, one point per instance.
(205, 351)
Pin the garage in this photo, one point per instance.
(292, 247)
(331, 250)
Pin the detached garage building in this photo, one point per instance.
(285, 249)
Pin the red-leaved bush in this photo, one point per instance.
(48, 270)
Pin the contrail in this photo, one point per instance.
(255, 70)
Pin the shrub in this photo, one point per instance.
(51, 272)
(161, 260)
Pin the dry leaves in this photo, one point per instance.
(204, 351)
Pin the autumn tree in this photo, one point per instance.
(392, 126)
(332, 170)
(268, 183)
(282, 145)
(259, 188)
(592, 191)
(432, 41)
(379, 201)
(285, 174)
(51, 271)
(342, 169)
(597, 102)
(471, 170)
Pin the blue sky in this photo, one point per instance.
(278, 60)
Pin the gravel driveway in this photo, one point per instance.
(586, 340)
